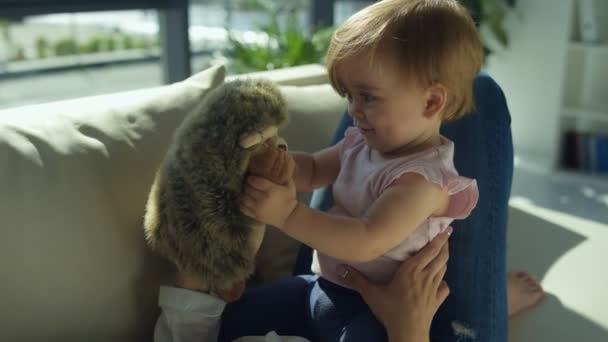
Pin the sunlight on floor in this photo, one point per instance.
(567, 252)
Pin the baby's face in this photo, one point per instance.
(387, 109)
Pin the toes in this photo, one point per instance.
(526, 282)
(525, 276)
(536, 291)
(528, 278)
(531, 282)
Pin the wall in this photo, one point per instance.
(531, 73)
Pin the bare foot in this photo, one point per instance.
(524, 292)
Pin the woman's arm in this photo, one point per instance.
(407, 304)
(392, 218)
(316, 170)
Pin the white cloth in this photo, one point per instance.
(191, 316)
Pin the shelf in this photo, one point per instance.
(585, 114)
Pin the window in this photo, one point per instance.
(343, 9)
(215, 24)
(59, 56)
(132, 44)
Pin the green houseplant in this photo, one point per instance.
(286, 44)
(6, 40)
(490, 16)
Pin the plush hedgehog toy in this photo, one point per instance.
(192, 215)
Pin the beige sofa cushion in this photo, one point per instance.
(315, 112)
(74, 177)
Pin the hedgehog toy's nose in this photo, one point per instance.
(282, 144)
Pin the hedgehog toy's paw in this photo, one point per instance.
(234, 293)
(251, 139)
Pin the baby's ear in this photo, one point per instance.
(251, 139)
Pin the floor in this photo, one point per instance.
(558, 231)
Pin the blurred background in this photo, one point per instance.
(550, 58)
(55, 55)
(59, 49)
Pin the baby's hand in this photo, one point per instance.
(274, 164)
(268, 202)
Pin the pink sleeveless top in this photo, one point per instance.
(361, 181)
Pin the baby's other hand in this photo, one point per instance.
(268, 202)
(275, 164)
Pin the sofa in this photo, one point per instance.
(74, 178)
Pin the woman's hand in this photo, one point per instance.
(268, 202)
(407, 304)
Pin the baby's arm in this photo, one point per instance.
(316, 170)
(392, 218)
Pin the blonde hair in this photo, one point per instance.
(432, 41)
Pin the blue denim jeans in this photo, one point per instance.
(340, 314)
(303, 305)
(476, 309)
